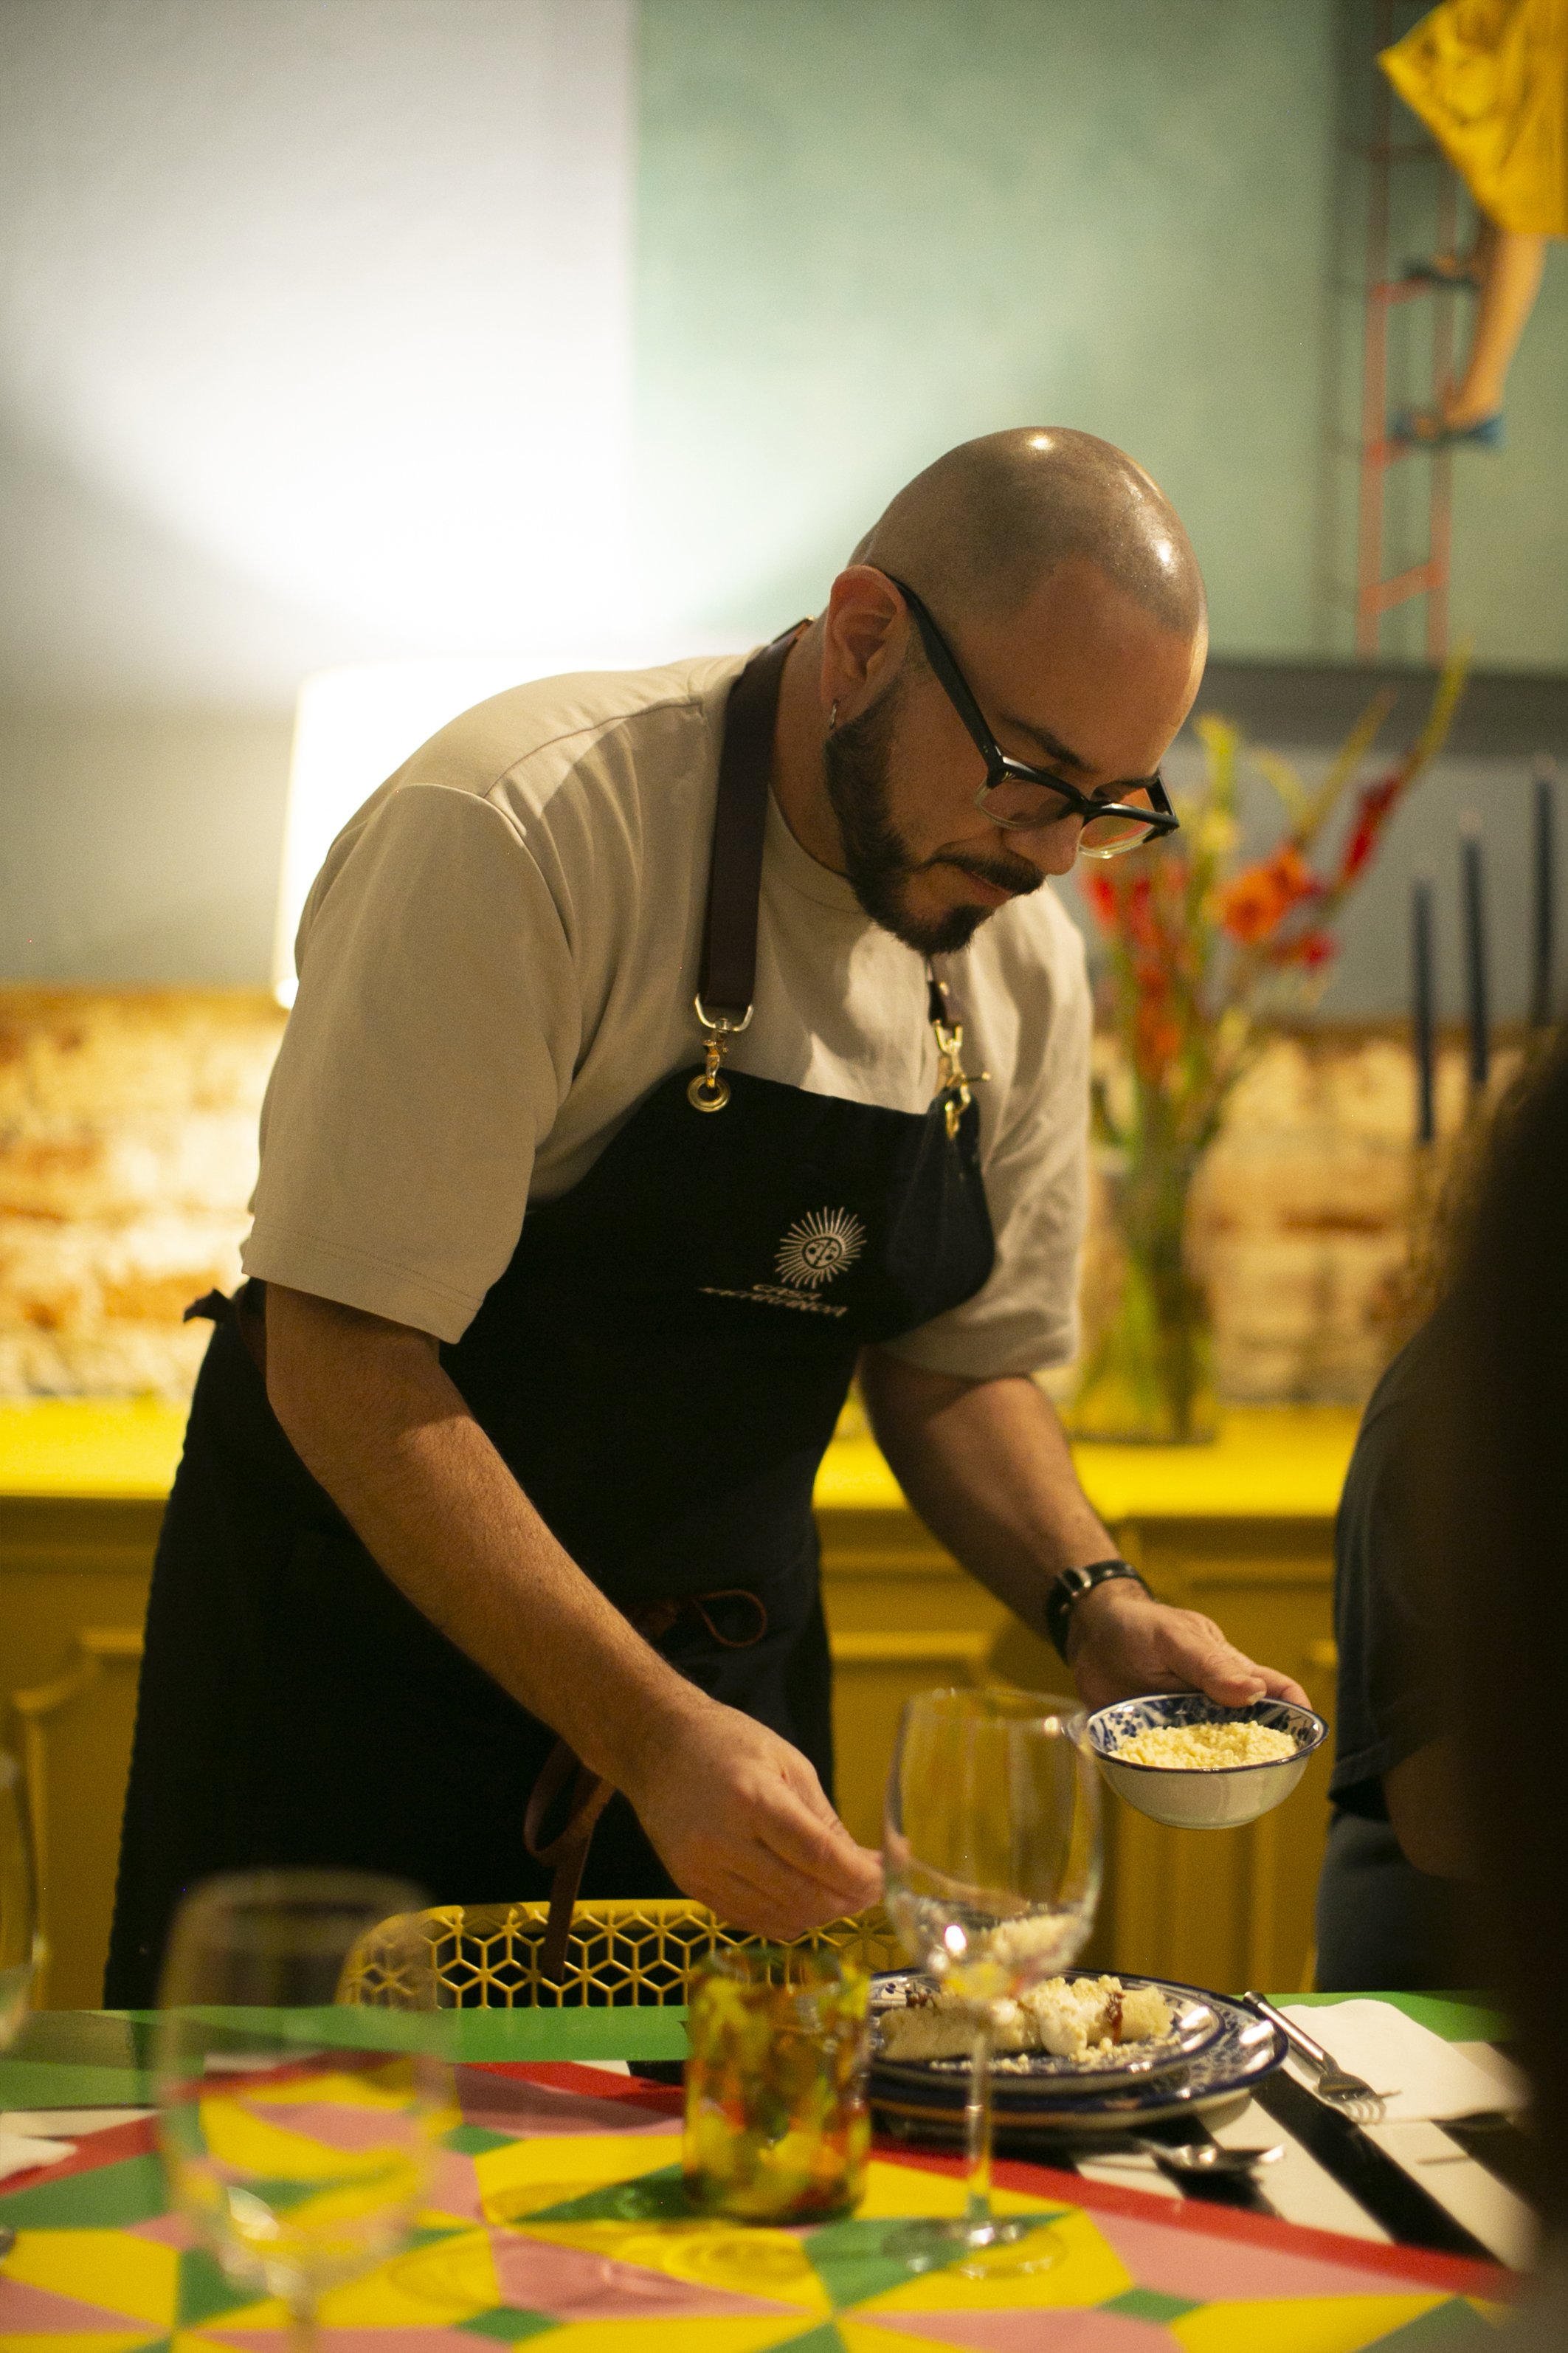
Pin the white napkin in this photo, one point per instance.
(19, 2152)
(1429, 2079)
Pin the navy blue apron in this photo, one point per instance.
(661, 1365)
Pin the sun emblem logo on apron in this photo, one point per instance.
(819, 1247)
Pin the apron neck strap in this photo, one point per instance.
(729, 969)
(740, 828)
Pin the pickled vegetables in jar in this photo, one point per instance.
(778, 2129)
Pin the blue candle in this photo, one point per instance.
(1422, 1005)
(1472, 893)
(1543, 927)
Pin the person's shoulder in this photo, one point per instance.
(517, 748)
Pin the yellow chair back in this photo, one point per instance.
(624, 1952)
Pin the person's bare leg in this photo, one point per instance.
(1511, 264)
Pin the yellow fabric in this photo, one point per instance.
(1489, 79)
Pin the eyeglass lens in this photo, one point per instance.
(1012, 802)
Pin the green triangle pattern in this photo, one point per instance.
(1150, 2304)
(476, 2141)
(506, 2326)
(1454, 2324)
(106, 2198)
(205, 2290)
(850, 2260)
(824, 2339)
(652, 2198)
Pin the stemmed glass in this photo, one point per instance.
(21, 1947)
(298, 2143)
(992, 1856)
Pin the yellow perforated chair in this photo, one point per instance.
(623, 1952)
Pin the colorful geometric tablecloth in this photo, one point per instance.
(598, 2251)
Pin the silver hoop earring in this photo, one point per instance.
(832, 717)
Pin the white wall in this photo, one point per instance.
(314, 335)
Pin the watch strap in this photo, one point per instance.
(1066, 1591)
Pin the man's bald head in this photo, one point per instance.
(980, 529)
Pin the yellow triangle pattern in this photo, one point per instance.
(107, 2268)
(1318, 2323)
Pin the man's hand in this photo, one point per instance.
(1121, 1643)
(742, 1823)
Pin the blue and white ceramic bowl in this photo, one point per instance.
(1202, 1797)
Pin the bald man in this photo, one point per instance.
(669, 1047)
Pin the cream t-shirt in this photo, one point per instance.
(497, 967)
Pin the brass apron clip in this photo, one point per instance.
(709, 1091)
(952, 1083)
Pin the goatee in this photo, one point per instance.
(877, 859)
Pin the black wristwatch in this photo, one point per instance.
(1067, 1590)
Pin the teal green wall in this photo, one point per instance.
(872, 228)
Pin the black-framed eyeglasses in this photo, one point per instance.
(1023, 798)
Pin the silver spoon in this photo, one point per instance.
(1198, 2155)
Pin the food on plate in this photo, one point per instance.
(1077, 2018)
(1207, 1747)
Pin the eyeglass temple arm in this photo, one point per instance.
(1163, 816)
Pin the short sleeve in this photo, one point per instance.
(1385, 1707)
(428, 1053)
(1035, 1164)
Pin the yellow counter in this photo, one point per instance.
(1284, 1460)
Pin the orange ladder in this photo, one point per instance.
(1378, 591)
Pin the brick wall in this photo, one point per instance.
(128, 1152)
(127, 1155)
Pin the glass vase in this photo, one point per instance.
(1148, 1375)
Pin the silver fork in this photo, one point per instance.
(1334, 2084)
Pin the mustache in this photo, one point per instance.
(1014, 874)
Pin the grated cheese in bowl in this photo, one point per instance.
(1206, 1747)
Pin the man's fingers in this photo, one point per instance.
(822, 1848)
(1222, 1673)
(1281, 1687)
(765, 1895)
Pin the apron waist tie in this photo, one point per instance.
(591, 1793)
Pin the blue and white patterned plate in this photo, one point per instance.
(1062, 2095)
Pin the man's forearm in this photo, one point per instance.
(988, 1467)
(375, 1419)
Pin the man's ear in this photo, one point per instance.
(865, 630)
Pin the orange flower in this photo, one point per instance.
(1260, 897)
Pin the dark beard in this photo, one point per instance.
(877, 860)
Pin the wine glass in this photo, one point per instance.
(21, 1945)
(299, 2134)
(992, 1856)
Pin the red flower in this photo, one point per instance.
(1374, 805)
(1311, 949)
(1101, 893)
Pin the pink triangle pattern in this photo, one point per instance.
(1228, 2271)
(335, 2123)
(455, 2189)
(574, 2284)
(167, 2230)
(529, 2111)
(41, 2312)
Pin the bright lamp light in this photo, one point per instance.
(355, 727)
